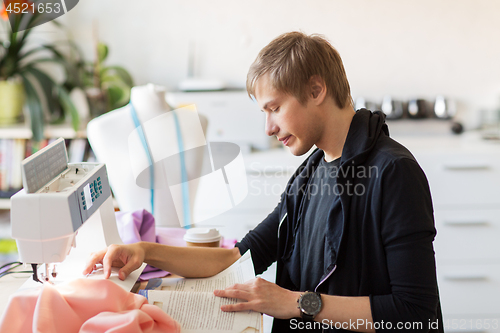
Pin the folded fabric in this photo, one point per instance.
(83, 305)
(136, 226)
(139, 226)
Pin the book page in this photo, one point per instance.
(192, 303)
(200, 311)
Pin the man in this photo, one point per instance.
(353, 232)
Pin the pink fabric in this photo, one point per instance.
(228, 243)
(83, 305)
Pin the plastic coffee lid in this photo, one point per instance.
(202, 235)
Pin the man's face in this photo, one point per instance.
(297, 126)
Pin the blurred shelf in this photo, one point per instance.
(22, 131)
(5, 203)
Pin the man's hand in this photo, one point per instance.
(128, 257)
(262, 296)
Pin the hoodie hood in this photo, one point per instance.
(364, 131)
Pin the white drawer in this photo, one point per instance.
(462, 179)
(469, 289)
(467, 235)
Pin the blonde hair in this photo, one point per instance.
(292, 59)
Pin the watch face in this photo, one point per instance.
(310, 303)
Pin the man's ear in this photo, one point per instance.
(317, 89)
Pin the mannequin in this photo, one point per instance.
(108, 135)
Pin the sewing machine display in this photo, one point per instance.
(57, 199)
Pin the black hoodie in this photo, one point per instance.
(384, 246)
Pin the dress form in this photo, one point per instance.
(108, 136)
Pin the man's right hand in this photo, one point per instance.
(129, 257)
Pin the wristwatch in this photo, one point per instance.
(309, 304)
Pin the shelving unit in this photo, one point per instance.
(22, 131)
(51, 131)
(4, 203)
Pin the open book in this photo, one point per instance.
(192, 303)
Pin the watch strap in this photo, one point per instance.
(306, 316)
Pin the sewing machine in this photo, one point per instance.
(57, 199)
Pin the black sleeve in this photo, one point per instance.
(263, 241)
(407, 231)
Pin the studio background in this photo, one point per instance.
(403, 48)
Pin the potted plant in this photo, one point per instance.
(19, 70)
(106, 87)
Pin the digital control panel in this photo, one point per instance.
(93, 192)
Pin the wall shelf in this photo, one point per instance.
(5, 203)
(22, 131)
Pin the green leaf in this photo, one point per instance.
(102, 52)
(30, 52)
(41, 60)
(56, 52)
(35, 108)
(47, 85)
(68, 107)
(17, 23)
(73, 62)
(33, 19)
(57, 23)
(115, 95)
(117, 90)
(112, 79)
(121, 72)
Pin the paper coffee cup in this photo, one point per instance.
(203, 237)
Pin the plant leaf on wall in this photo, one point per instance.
(35, 107)
(121, 72)
(51, 89)
(102, 52)
(68, 106)
(46, 84)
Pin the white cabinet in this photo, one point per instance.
(468, 235)
(470, 289)
(464, 177)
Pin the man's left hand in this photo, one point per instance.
(262, 296)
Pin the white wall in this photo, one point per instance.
(399, 47)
